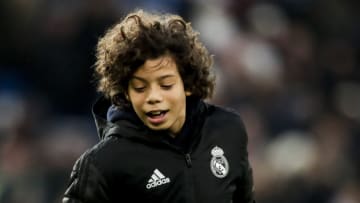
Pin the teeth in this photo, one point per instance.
(155, 113)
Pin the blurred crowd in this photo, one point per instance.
(289, 67)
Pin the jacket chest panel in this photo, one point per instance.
(154, 172)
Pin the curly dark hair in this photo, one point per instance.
(141, 36)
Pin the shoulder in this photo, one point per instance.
(101, 147)
(95, 154)
(224, 116)
(222, 122)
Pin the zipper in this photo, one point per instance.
(188, 181)
(188, 160)
(187, 155)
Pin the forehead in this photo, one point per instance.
(157, 67)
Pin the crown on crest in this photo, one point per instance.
(217, 151)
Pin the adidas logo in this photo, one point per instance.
(157, 179)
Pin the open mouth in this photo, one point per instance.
(155, 114)
(156, 117)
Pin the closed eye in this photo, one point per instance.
(167, 87)
(139, 89)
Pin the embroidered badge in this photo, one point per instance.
(218, 164)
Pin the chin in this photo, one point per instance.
(159, 127)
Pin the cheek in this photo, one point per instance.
(177, 98)
(136, 99)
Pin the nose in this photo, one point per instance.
(154, 96)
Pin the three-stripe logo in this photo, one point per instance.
(157, 179)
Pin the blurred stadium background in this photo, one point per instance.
(290, 67)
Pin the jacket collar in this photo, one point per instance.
(111, 120)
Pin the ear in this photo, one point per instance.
(127, 97)
(188, 93)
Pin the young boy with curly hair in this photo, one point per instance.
(159, 140)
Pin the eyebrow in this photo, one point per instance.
(160, 78)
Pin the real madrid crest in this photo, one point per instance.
(218, 164)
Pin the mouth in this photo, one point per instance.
(157, 116)
(156, 113)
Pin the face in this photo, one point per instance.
(156, 92)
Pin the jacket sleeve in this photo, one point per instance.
(87, 184)
(245, 185)
(245, 188)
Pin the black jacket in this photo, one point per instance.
(207, 162)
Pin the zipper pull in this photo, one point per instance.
(188, 160)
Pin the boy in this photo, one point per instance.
(160, 142)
